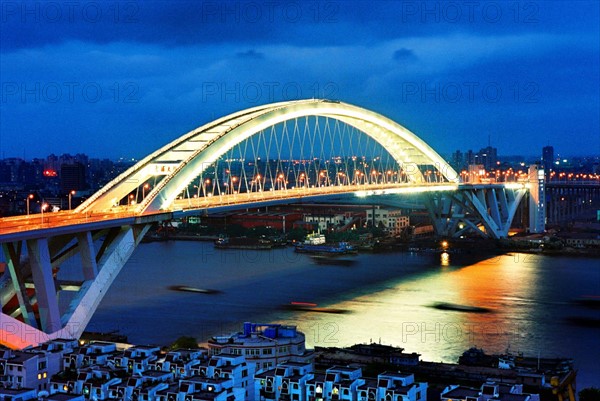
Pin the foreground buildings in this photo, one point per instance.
(263, 362)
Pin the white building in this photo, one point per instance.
(338, 383)
(227, 366)
(32, 368)
(265, 345)
(487, 391)
(537, 201)
(286, 381)
(393, 386)
(391, 219)
(326, 221)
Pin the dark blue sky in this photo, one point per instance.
(114, 79)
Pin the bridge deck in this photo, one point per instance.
(65, 222)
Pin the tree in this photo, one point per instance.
(589, 394)
(185, 342)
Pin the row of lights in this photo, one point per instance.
(571, 176)
(44, 205)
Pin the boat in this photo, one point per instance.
(583, 321)
(312, 307)
(332, 260)
(590, 301)
(338, 249)
(315, 243)
(460, 308)
(315, 239)
(243, 243)
(185, 288)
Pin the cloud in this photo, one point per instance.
(251, 54)
(404, 54)
(178, 87)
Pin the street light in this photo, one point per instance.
(43, 207)
(144, 188)
(70, 195)
(29, 197)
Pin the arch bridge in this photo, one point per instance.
(277, 153)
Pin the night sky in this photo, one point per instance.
(120, 79)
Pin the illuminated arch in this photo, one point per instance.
(188, 156)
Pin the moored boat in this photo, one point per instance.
(315, 244)
(243, 243)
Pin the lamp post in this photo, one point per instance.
(144, 188)
(42, 208)
(71, 193)
(29, 197)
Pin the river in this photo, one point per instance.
(388, 299)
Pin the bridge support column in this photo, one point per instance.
(88, 255)
(12, 253)
(483, 209)
(114, 253)
(43, 280)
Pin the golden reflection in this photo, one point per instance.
(405, 316)
(445, 259)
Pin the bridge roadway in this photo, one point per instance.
(67, 222)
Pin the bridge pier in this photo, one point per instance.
(31, 313)
(43, 281)
(487, 210)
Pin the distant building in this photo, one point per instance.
(392, 220)
(548, 159)
(457, 160)
(328, 220)
(487, 157)
(72, 177)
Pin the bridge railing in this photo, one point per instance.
(573, 182)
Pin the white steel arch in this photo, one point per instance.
(188, 156)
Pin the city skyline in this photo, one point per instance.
(121, 80)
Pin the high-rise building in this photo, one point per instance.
(457, 160)
(72, 177)
(487, 157)
(537, 195)
(547, 158)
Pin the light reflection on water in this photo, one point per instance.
(404, 316)
(389, 296)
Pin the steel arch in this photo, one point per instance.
(191, 153)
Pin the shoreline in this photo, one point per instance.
(492, 248)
